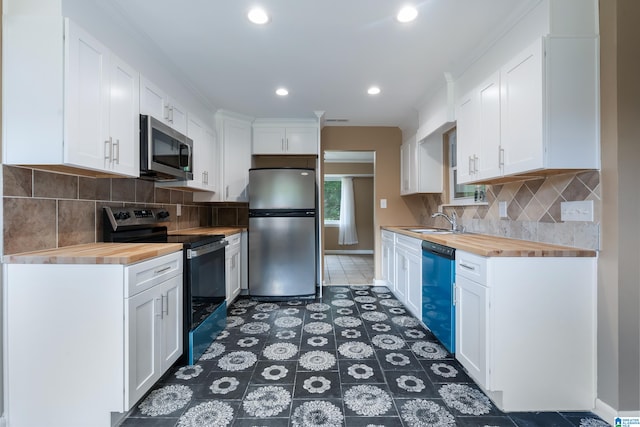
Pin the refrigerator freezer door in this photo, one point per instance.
(282, 256)
(282, 189)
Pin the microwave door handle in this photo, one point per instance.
(189, 159)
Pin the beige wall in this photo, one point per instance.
(385, 142)
(619, 275)
(363, 195)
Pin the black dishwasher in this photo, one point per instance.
(438, 277)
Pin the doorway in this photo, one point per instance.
(348, 260)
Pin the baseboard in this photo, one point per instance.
(348, 252)
(609, 414)
(379, 282)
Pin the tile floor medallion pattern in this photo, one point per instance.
(355, 358)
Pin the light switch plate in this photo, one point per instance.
(383, 203)
(576, 211)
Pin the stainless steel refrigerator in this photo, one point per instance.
(283, 236)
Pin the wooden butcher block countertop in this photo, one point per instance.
(493, 246)
(96, 253)
(227, 231)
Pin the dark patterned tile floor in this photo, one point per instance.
(355, 358)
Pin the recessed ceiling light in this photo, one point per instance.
(373, 90)
(258, 16)
(282, 91)
(407, 14)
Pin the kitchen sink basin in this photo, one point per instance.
(430, 231)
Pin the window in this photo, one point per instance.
(332, 193)
(460, 194)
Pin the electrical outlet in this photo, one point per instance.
(502, 209)
(576, 211)
(178, 210)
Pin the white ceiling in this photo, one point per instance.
(326, 52)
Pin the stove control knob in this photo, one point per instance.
(163, 215)
(121, 215)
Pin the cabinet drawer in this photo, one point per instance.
(144, 275)
(388, 236)
(471, 266)
(234, 240)
(411, 243)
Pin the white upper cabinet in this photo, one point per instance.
(205, 156)
(155, 102)
(277, 137)
(86, 106)
(539, 112)
(236, 136)
(421, 165)
(232, 159)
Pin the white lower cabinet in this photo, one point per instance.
(85, 340)
(154, 321)
(233, 267)
(525, 329)
(471, 328)
(407, 284)
(388, 258)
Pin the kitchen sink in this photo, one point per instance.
(430, 231)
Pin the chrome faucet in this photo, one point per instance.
(453, 220)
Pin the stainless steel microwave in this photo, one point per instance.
(165, 154)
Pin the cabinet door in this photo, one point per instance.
(388, 263)
(212, 153)
(237, 159)
(177, 116)
(86, 106)
(414, 284)
(407, 160)
(172, 307)
(472, 313)
(269, 140)
(402, 275)
(490, 154)
(467, 134)
(233, 279)
(522, 111)
(143, 364)
(152, 100)
(195, 131)
(124, 112)
(301, 140)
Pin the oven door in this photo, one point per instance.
(205, 288)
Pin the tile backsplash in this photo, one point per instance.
(533, 210)
(44, 210)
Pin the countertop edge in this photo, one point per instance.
(214, 229)
(95, 254)
(489, 246)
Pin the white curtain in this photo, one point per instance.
(347, 234)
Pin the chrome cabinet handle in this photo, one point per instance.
(501, 157)
(166, 112)
(171, 114)
(287, 145)
(467, 266)
(475, 164)
(107, 148)
(116, 152)
(165, 307)
(158, 312)
(162, 270)
(470, 165)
